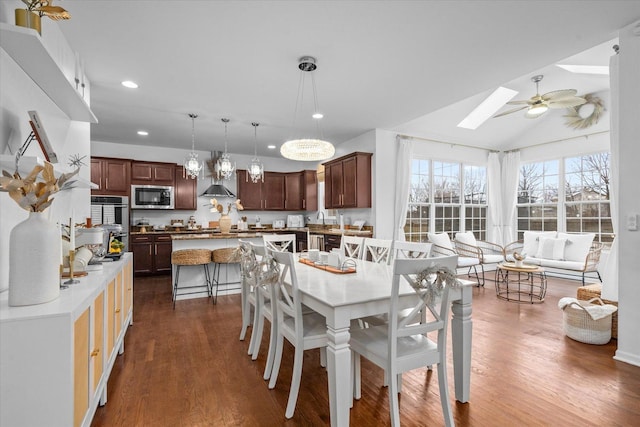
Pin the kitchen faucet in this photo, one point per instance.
(318, 216)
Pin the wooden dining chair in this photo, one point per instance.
(377, 250)
(352, 246)
(411, 250)
(403, 344)
(304, 331)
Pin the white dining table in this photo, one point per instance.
(343, 297)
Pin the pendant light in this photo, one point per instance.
(307, 149)
(256, 169)
(224, 167)
(192, 166)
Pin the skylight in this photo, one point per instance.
(487, 108)
(586, 69)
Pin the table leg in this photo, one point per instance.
(461, 328)
(339, 373)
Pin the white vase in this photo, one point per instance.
(225, 224)
(34, 261)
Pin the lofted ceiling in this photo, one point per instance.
(415, 67)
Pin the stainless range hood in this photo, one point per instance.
(216, 190)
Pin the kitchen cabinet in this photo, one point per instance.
(266, 196)
(112, 176)
(290, 191)
(146, 173)
(55, 363)
(331, 242)
(151, 253)
(348, 181)
(185, 191)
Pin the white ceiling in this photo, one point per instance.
(381, 64)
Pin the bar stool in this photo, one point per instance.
(227, 257)
(191, 257)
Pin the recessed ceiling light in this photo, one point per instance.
(143, 133)
(271, 147)
(586, 69)
(487, 108)
(317, 115)
(130, 84)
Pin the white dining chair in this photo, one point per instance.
(411, 250)
(403, 344)
(304, 331)
(280, 242)
(248, 262)
(377, 250)
(352, 246)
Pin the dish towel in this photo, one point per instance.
(595, 311)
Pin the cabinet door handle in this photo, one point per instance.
(304, 204)
(155, 248)
(95, 352)
(117, 310)
(150, 250)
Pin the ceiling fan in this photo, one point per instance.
(539, 104)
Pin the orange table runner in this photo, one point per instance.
(328, 268)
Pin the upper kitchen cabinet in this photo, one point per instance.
(262, 196)
(185, 190)
(112, 176)
(310, 190)
(301, 191)
(348, 181)
(144, 173)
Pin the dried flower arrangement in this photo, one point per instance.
(46, 8)
(217, 207)
(33, 195)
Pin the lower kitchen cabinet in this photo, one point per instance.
(151, 253)
(56, 358)
(331, 242)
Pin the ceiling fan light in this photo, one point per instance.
(537, 110)
(307, 150)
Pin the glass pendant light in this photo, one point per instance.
(256, 169)
(192, 166)
(224, 167)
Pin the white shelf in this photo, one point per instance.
(27, 163)
(26, 48)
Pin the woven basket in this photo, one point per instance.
(578, 324)
(594, 291)
(226, 255)
(191, 257)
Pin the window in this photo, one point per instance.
(580, 205)
(446, 197)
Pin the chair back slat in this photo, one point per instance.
(280, 242)
(413, 250)
(378, 249)
(352, 246)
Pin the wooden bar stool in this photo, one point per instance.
(220, 257)
(190, 257)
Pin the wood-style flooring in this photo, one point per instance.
(187, 367)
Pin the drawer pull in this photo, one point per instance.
(95, 352)
(117, 310)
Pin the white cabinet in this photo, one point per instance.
(55, 358)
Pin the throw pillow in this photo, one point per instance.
(441, 239)
(578, 246)
(549, 248)
(466, 238)
(531, 241)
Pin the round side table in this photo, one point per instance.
(523, 284)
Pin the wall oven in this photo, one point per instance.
(112, 213)
(151, 197)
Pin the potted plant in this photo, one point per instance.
(30, 17)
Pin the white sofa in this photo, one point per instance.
(574, 252)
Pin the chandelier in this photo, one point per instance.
(307, 149)
(256, 169)
(192, 166)
(224, 168)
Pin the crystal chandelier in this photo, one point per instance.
(256, 169)
(192, 166)
(308, 149)
(224, 168)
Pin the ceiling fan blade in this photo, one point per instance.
(566, 103)
(510, 111)
(559, 94)
(528, 101)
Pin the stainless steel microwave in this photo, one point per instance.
(151, 197)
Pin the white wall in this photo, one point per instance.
(629, 177)
(19, 94)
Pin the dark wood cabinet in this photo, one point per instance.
(113, 176)
(152, 173)
(348, 181)
(185, 191)
(280, 191)
(151, 253)
(331, 242)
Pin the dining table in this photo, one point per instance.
(341, 297)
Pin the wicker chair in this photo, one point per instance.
(220, 257)
(190, 257)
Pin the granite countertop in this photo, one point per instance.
(214, 233)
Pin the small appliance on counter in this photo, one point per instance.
(278, 223)
(295, 221)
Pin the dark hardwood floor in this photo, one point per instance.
(187, 367)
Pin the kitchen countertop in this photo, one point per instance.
(256, 232)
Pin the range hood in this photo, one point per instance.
(217, 190)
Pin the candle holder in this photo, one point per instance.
(72, 257)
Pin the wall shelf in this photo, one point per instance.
(27, 163)
(25, 47)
